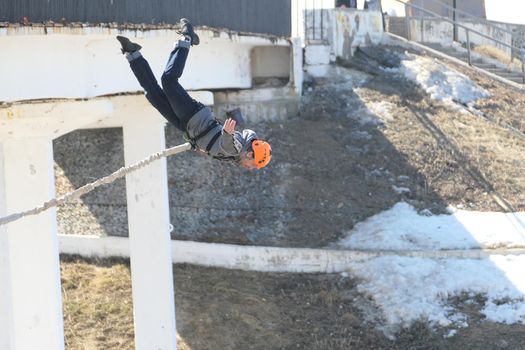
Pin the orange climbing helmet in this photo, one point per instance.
(262, 153)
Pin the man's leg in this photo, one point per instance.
(183, 105)
(146, 78)
(154, 93)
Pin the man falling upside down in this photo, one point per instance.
(203, 131)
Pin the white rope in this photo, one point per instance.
(68, 197)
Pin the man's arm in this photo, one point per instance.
(228, 144)
(229, 126)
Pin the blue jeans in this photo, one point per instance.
(172, 101)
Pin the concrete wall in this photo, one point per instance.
(86, 62)
(336, 33)
(270, 61)
(518, 35)
(430, 30)
(434, 30)
(266, 104)
(352, 28)
(439, 31)
(473, 7)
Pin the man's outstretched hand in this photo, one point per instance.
(229, 126)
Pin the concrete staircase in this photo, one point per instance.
(478, 62)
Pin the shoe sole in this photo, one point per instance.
(189, 31)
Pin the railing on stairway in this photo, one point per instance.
(468, 32)
(455, 12)
(312, 14)
(317, 29)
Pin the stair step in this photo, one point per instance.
(507, 74)
(489, 67)
(433, 45)
(496, 70)
(449, 51)
(458, 54)
(516, 80)
(486, 66)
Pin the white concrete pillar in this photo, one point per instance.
(297, 65)
(150, 243)
(30, 293)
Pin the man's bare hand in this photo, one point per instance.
(229, 126)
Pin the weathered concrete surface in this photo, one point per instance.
(260, 258)
(86, 62)
(436, 30)
(206, 196)
(352, 28)
(260, 104)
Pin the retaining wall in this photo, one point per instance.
(435, 30)
(264, 259)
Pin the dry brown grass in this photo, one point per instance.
(97, 306)
(247, 310)
(498, 54)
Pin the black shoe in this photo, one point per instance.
(187, 30)
(128, 45)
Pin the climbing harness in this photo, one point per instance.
(193, 141)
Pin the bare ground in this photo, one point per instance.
(222, 309)
(359, 139)
(361, 136)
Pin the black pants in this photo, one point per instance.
(172, 101)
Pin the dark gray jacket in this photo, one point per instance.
(226, 146)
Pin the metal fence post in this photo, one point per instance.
(422, 29)
(468, 47)
(313, 18)
(454, 18)
(322, 24)
(407, 22)
(305, 22)
(523, 65)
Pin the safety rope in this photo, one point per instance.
(91, 186)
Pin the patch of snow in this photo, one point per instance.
(450, 333)
(408, 289)
(401, 190)
(418, 289)
(382, 109)
(402, 228)
(365, 116)
(425, 212)
(439, 81)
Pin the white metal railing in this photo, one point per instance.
(456, 11)
(468, 32)
(309, 19)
